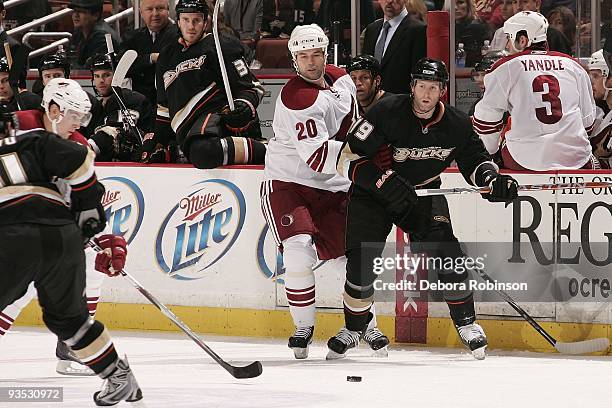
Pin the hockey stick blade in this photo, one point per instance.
(525, 187)
(252, 370)
(122, 68)
(583, 347)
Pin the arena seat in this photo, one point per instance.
(273, 53)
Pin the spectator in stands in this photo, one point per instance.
(88, 37)
(507, 9)
(24, 100)
(556, 40)
(29, 11)
(417, 9)
(245, 16)
(470, 31)
(398, 41)
(13, 43)
(57, 66)
(148, 41)
(562, 19)
(115, 139)
(487, 12)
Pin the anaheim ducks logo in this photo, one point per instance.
(189, 65)
(401, 154)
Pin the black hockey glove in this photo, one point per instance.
(152, 151)
(91, 222)
(504, 189)
(240, 118)
(397, 195)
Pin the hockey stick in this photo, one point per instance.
(215, 30)
(250, 371)
(577, 347)
(525, 187)
(119, 73)
(14, 70)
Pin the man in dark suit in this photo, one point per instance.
(147, 41)
(398, 42)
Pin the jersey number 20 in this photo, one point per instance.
(552, 97)
(309, 129)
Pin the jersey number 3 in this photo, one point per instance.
(308, 129)
(552, 97)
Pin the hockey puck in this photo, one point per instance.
(353, 378)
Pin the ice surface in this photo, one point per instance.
(174, 372)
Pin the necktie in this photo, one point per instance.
(379, 50)
(153, 36)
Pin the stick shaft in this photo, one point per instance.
(524, 187)
(226, 84)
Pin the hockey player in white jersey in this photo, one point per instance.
(302, 197)
(601, 136)
(549, 97)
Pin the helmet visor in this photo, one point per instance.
(82, 118)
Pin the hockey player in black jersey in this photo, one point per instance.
(425, 136)
(42, 243)
(365, 73)
(192, 100)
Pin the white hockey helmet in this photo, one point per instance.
(533, 23)
(307, 37)
(68, 95)
(598, 61)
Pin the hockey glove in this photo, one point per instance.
(504, 189)
(397, 194)
(240, 118)
(91, 222)
(111, 259)
(152, 151)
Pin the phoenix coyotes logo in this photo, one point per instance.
(401, 154)
(189, 65)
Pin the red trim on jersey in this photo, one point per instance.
(346, 124)
(86, 186)
(194, 111)
(33, 119)
(298, 94)
(334, 72)
(529, 51)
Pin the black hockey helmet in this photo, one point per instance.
(431, 70)
(4, 66)
(364, 62)
(489, 59)
(53, 61)
(8, 122)
(191, 6)
(101, 61)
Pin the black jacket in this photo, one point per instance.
(407, 46)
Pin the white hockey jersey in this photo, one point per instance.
(550, 100)
(310, 124)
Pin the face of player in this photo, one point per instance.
(529, 5)
(478, 77)
(68, 124)
(461, 9)
(82, 18)
(192, 26)
(391, 8)
(507, 9)
(311, 63)
(102, 80)
(6, 92)
(154, 14)
(597, 82)
(365, 84)
(426, 94)
(49, 74)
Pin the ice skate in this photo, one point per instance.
(341, 342)
(68, 363)
(474, 338)
(377, 341)
(299, 342)
(119, 386)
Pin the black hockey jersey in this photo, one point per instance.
(189, 83)
(29, 162)
(138, 105)
(421, 149)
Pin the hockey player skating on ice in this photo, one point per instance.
(41, 243)
(425, 136)
(66, 109)
(303, 198)
(193, 103)
(549, 97)
(601, 80)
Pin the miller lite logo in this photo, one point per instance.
(200, 229)
(124, 206)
